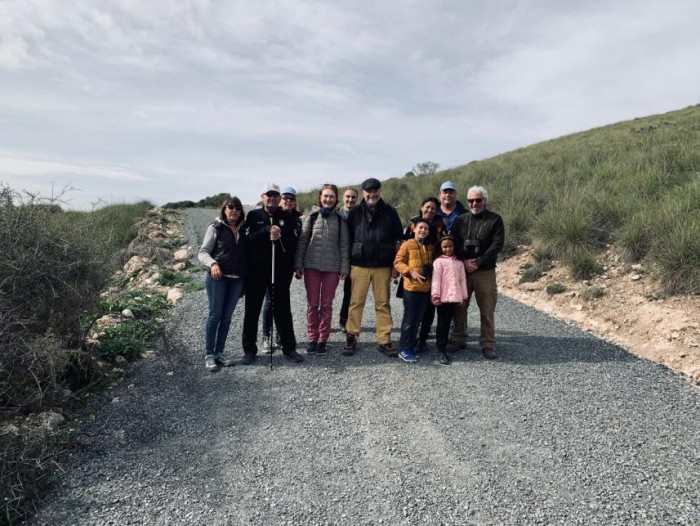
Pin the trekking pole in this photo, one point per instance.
(273, 343)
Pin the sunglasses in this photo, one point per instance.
(289, 198)
(233, 207)
(477, 200)
(273, 194)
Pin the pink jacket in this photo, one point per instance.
(449, 280)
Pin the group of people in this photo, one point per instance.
(446, 254)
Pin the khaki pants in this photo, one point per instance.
(481, 284)
(380, 279)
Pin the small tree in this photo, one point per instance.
(425, 168)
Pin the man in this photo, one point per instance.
(450, 208)
(288, 204)
(479, 238)
(268, 226)
(349, 202)
(375, 236)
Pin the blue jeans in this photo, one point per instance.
(223, 294)
(414, 306)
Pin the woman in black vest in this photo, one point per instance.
(224, 252)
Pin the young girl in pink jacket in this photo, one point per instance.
(448, 289)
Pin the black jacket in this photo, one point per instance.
(374, 235)
(231, 256)
(488, 234)
(259, 222)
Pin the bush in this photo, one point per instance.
(531, 273)
(53, 265)
(555, 288)
(590, 293)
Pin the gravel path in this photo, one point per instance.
(563, 429)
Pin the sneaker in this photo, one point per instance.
(443, 359)
(407, 355)
(342, 326)
(321, 349)
(210, 363)
(293, 356)
(350, 345)
(248, 358)
(266, 346)
(311, 348)
(489, 353)
(223, 360)
(387, 350)
(456, 347)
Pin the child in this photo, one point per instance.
(449, 289)
(414, 262)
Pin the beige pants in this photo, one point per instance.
(380, 279)
(481, 284)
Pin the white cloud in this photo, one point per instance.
(180, 99)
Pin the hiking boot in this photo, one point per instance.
(293, 356)
(443, 359)
(456, 347)
(387, 350)
(321, 349)
(489, 353)
(311, 348)
(210, 363)
(350, 345)
(266, 345)
(223, 360)
(407, 355)
(248, 358)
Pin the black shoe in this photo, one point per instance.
(387, 350)
(311, 348)
(248, 358)
(489, 353)
(422, 346)
(293, 356)
(443, 359)
(350, 345)
(321, 349)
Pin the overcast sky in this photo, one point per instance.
(180, 99)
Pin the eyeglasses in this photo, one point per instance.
(233, 207)
(477, 200)
(274, 195)
(289, 198)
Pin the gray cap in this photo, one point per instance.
(448, 185)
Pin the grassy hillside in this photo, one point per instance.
(635, 184)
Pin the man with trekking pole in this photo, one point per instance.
(270, 269)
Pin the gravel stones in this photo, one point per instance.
(563, 428)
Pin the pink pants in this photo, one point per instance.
(320, 291)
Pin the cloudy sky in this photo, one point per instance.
(179, 99)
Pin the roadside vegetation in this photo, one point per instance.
(635, 184)
(54, 267)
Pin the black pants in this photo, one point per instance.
(427, 322)
(257, 285)
(444, 315)
(345, 305)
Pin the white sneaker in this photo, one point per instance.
(267, 348)
(210, 363)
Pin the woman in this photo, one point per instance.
(322, 258)
(224, 252)
(428, 210)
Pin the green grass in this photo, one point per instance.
(635, 184)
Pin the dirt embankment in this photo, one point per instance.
(631, 311)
